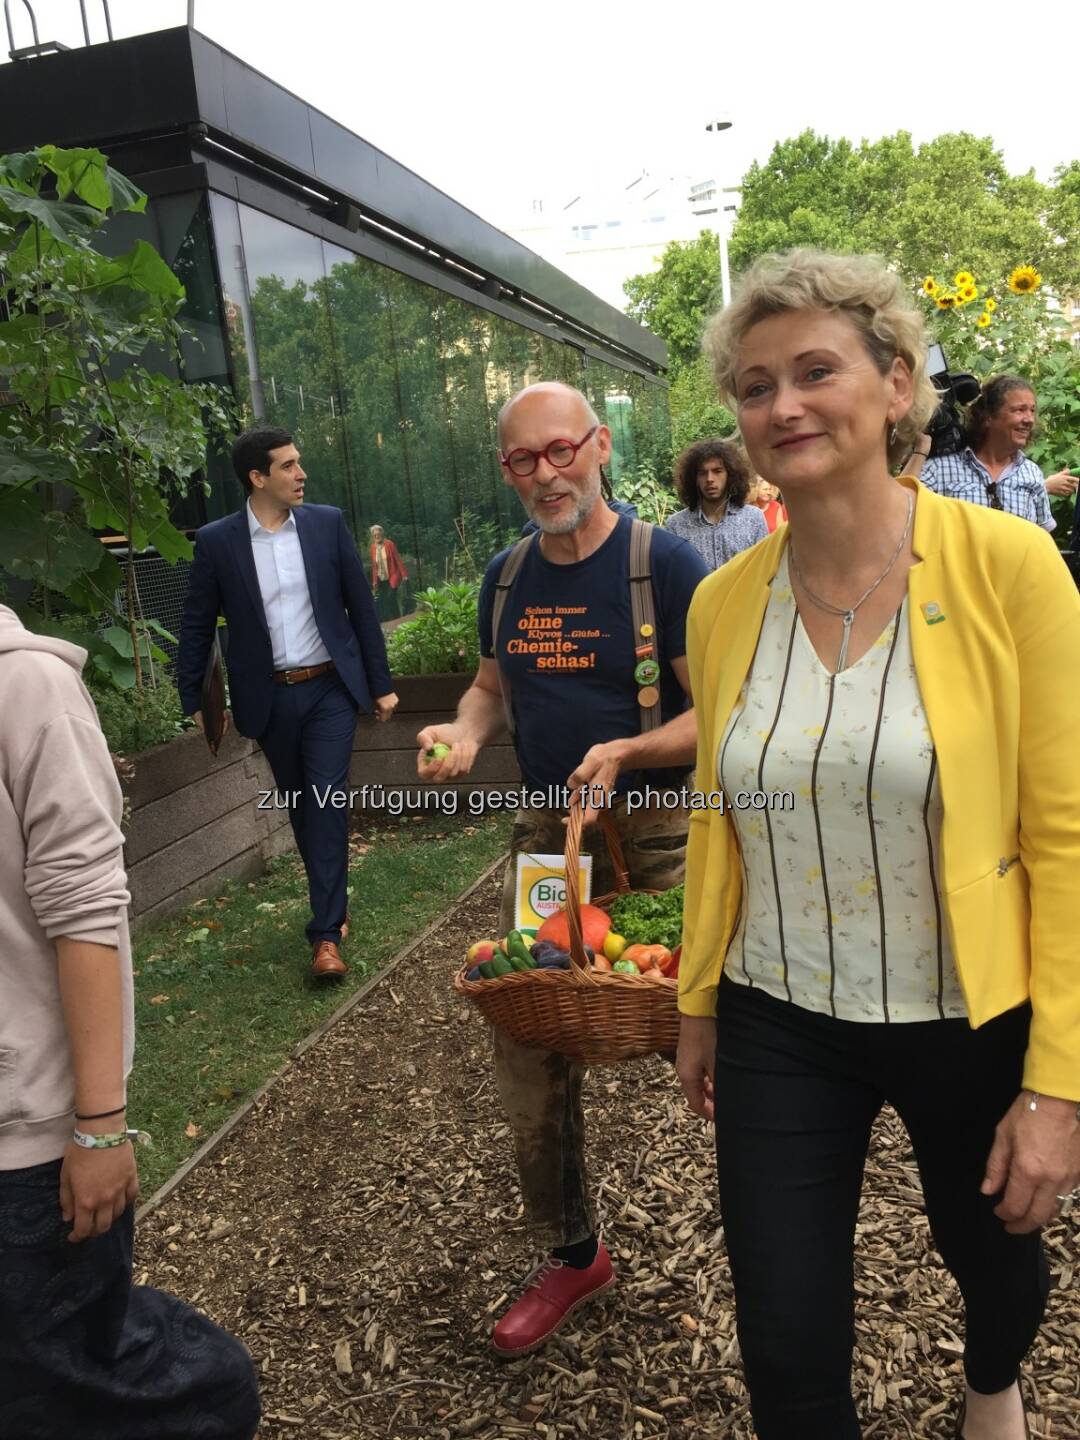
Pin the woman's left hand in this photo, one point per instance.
(1035, 1159)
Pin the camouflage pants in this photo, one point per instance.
(541, 1091)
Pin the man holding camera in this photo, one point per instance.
(992, 468)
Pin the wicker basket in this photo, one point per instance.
(597, 1018)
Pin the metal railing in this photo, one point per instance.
(48, 47)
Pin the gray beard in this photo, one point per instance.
(577, 517)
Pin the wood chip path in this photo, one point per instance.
(360, 1230)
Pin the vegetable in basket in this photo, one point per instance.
(649, 919)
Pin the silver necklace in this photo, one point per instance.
(848, 615)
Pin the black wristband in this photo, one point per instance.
(922, 454)
(102, 1115)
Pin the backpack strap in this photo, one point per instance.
(503, 585)
(646, 639)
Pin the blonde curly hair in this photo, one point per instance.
(860, 286)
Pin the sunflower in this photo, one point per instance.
(991, 306)
(969, 293)
(946, 302)
(1024, 279)
(961, 299)
(929, 286)
(964, 279)
(984, 320)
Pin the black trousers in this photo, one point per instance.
(796, 1096)
(86, 1355)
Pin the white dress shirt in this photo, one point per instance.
(279, 565)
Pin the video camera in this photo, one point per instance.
(946, 427)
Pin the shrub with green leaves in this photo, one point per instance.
(443, 638)
(137, 719)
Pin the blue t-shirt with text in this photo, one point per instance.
(566, 649)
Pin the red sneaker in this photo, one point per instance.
(554, 1292)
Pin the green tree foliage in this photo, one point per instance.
(98, 435)
(676, 300)
(696, 413)
(951, 199)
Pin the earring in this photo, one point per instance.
(892, 436)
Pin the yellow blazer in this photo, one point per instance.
(1000, 680)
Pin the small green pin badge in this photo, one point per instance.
(932, 613)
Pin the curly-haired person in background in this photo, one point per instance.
(905, 933)
(713, 482)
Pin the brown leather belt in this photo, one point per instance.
(306, 672)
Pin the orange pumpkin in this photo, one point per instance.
(594, 928)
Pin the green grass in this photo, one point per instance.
(221, 988)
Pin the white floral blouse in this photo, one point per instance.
(842, 909)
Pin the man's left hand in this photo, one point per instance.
(1061, 484)
(596, 775)
(1034, 1159)
(385, 705)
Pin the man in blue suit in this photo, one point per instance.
(305, 654)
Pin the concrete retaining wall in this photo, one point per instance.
(195, 822)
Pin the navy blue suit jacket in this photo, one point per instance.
(224, 582)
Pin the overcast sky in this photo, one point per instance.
(499, 103)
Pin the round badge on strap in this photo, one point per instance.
(648, 697)
(647, 672)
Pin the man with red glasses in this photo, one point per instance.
(598, 696)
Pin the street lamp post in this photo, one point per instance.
(714, 127)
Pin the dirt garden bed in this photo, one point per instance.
(360, 1230)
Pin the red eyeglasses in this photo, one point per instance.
(560, 453)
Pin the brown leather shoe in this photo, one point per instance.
(326, 962)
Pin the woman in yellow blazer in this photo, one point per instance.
(884, 910)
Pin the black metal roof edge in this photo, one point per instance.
(174, 79)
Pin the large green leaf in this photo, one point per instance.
(78, 171)
(120, 671)
(45, 547)
(24, 464)
(21, 170)
(95, 590)
(88, 174)
(120, 640)
(170, 543)
(125, 195)
(65, 222)
(144, 268)
(159, 629)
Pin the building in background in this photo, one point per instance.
(337, 293)
(605, 235)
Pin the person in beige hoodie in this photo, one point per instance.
(83, 1352)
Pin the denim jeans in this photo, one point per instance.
(87, 1355)
(541, 1091)
(796, 1095)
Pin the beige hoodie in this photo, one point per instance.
(61, 873)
